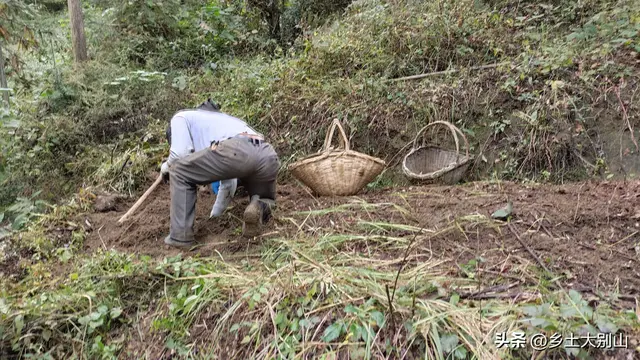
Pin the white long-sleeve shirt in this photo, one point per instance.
(196, 129)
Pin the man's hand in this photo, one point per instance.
(164, 170)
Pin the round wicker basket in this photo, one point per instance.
(433, 164)
(334, 172)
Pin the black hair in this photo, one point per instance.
(167, 134)
(209, 105)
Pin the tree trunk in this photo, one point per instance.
(3, 78)
(271, 10)
(77, 31)
(274, 23)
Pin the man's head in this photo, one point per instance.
(209, 105)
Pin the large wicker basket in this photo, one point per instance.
(334, 172)
(433, 164)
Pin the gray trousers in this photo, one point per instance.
(256, 166)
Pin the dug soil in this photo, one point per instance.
(586, 233)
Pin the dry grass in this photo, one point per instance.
(377, 290)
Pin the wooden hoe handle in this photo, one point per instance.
(141, 200)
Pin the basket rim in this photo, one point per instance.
(452, 128)
(434, 174)
(324, 155)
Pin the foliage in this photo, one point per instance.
(8, 122)
(20, 211)
(68, 120)
(17, 23)
(165, 35)
(258, 305)
(572, 316)
(567, 76)
(17, 26)
(529, 103)
(339, 71)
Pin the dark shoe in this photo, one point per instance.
(177, 243)
(256, 214)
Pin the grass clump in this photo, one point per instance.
(301, 298)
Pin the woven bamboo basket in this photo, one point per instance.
(433, 164)
(336, 172)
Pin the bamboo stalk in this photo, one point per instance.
(3, 78)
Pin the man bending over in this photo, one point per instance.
(208, 146)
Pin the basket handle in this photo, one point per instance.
(329, 137)
(454, 131)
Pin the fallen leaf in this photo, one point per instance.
(504, 212)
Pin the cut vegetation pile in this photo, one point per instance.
(323, 277)
(587, 232)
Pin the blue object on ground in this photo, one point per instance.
(215, 186)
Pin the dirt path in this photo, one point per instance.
(588, 232)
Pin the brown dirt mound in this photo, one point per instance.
(589, 232)
(145, 230)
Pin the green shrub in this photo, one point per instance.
(308, 14)
(169, 34)
(58, 142)
(383, 40)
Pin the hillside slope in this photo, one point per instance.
(544, 92)
(319, 281)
